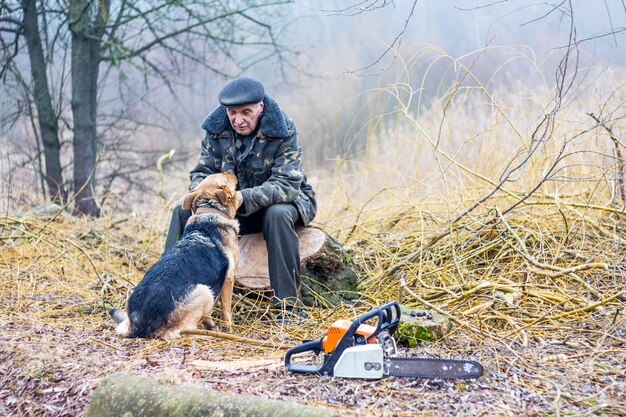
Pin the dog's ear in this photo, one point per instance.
(231, 177)
(225, 195)
(188, 201)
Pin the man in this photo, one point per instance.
(250, 135)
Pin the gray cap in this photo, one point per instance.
(241, 91)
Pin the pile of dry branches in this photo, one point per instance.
(54, 265)
(534, 271)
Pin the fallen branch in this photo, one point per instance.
(587, 307)
(565, 271)
(228, 336)
(125, 395)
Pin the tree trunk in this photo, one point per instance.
(48, 120)
(125, 395)
(87, 26)
(327, 275)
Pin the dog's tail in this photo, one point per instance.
(123, 323)
(117, 315)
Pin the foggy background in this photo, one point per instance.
(336, 50)
(340, 61)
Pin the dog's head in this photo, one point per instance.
(215, 191)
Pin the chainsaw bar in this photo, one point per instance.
(415, 367)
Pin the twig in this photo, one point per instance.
(559, 271)
(160, 162)
(93, 265)
(228, 336)
(102, 342)
(618, 154)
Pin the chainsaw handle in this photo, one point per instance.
(314, 346)
(388, 319)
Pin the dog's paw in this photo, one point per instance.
(209, 324)
(172, 335)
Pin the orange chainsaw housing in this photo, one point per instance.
(339, 328)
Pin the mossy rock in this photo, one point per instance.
(416, 326)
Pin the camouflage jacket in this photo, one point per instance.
(269, 172)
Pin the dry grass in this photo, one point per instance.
(535, 297)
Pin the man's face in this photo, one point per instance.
(245, 118)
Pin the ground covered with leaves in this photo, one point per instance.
(543, 312)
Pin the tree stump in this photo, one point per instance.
(126, 395)
(327, 274)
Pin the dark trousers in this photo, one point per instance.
(278, 224)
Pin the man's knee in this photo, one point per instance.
(281, 215)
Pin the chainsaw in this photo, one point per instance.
(354, 349)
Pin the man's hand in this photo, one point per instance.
(239, 199)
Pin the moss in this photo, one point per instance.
(409, 334)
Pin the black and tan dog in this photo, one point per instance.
(179, 290)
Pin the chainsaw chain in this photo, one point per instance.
(478, 366)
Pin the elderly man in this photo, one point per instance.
(250, 135)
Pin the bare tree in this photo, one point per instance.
(27, 26)
(130, 36)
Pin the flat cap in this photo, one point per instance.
(241, 91)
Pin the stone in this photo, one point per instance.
(421, 326)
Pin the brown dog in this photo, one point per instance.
(179, 290)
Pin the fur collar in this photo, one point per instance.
(273, 121)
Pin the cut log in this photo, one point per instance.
(327, 273)
(125, 395)
(252, 271)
